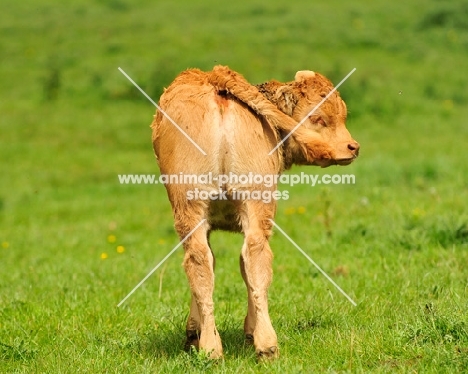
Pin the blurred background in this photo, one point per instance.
(71, 121)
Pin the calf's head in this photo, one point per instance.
(326, 124)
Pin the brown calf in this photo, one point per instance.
(237, 125)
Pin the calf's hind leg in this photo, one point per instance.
(256, 261)
(198, 265)
(194, 320)
(249, 321)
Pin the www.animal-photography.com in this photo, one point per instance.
(255, 187)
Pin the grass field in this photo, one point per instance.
(74, 242)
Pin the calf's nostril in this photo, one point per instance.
(354, 146)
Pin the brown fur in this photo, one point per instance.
(237, 125)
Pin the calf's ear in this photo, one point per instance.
(303, 75)
(286, 99)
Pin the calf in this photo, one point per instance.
(237, 125)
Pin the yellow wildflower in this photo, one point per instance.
(290, 211)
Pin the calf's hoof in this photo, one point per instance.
(211, 344)
(193, 339)
(268, 354)
(214, 354)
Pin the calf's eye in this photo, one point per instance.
(320, 121)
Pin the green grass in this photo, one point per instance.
(396, 241)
